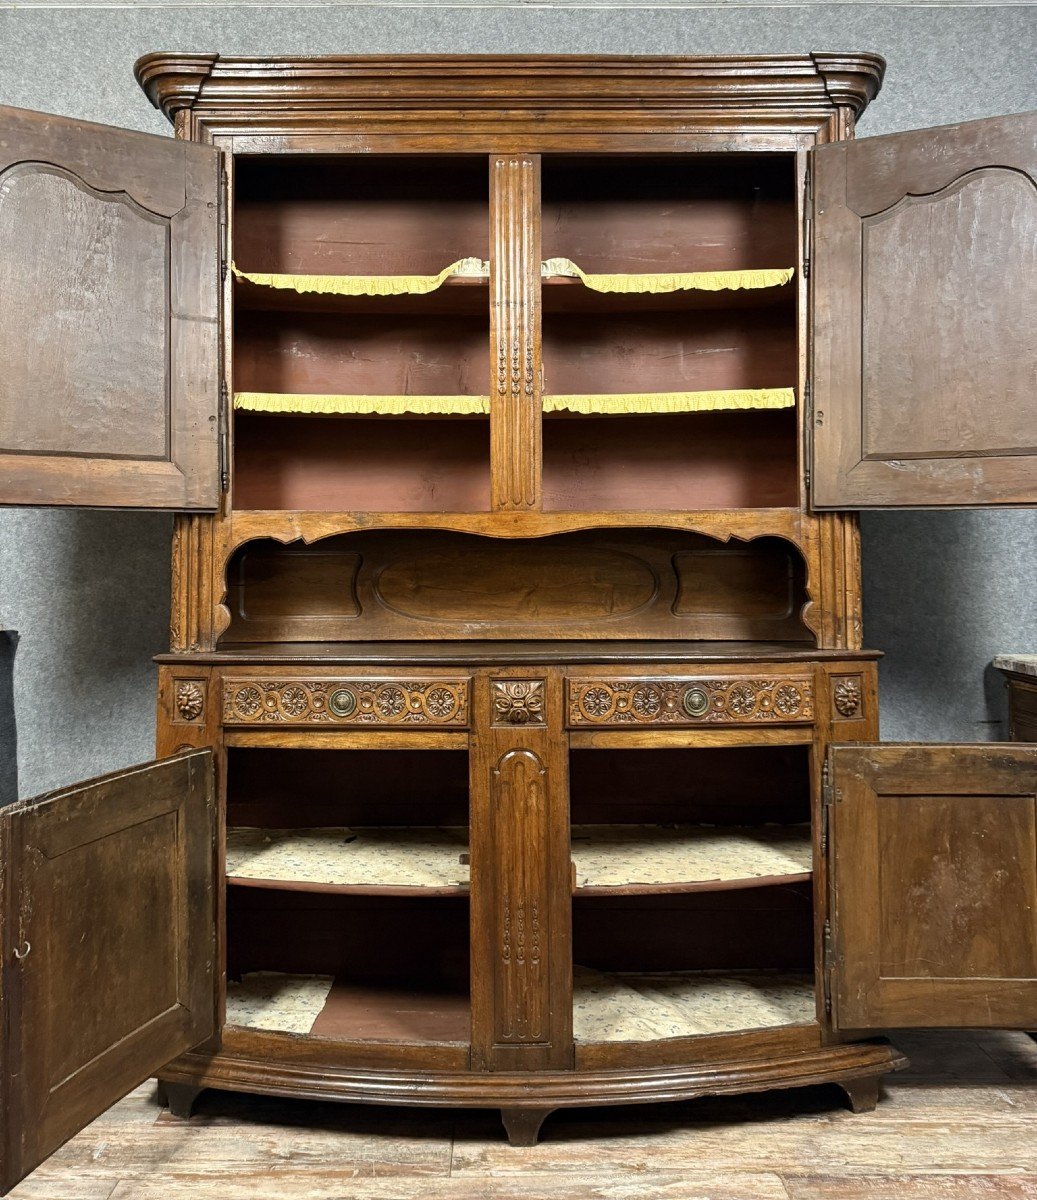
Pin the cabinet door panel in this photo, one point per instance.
(109, 954)
(109, 308)
(934, 877)
(925, 305)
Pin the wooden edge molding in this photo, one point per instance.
(173, 81)
(851, 80)
(806, 81)
(548, 1088)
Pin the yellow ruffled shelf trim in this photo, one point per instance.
(703, 281)
(623, 404)
(382, 406)
(591, 405)
(366, 285)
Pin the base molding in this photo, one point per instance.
(311, 1080)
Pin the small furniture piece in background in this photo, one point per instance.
(1021, 677)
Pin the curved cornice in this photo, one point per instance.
(808, 82)
(173, 81)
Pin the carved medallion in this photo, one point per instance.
(846, 696)
(518, 701)
(190, 700)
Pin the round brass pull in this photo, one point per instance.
(696, 702)
(342, 702)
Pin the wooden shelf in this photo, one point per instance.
(609, 860)
(328, 1007)
(628, 860)
(651, 1006)
(382, 861)
(464, 294)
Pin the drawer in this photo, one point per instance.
(348, 701)
(689, 700)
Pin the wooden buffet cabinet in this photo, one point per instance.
(517, 743)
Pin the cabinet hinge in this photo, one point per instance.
(808, 205)
(224, 423)
(808, 436)
(224, 193)
(826, 805)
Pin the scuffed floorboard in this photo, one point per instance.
(961, 1124)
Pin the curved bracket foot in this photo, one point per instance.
(522, 1125)
(179, 1098)
(863, 1093)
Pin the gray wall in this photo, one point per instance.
(87, 593)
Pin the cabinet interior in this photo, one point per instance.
(381, 402)
(375, 954)
(431, 584)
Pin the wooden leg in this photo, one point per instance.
(863, 1094)
(179, 1098)
(522, 1125)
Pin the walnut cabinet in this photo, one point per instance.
(517, 745)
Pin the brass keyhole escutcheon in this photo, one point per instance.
(342, 702)
(696, 702)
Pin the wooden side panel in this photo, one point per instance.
(109, 946)
(934, 861)
(109, 313)
(520, 886)
(925, 302)
(515, 376)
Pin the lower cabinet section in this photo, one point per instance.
(538, 910)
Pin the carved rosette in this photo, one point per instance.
(189, 700)
(518, 701)
(690, 701)
(846, 696)
(364, 702)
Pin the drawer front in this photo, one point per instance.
(385, 702)
(689, 700)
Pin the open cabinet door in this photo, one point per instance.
(924, 318)
(933, 869)
(109, 946)
(109, 316)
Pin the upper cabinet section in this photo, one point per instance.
(925, 306)
(109, 316)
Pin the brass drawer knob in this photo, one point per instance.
(696, 702)
(342, 702)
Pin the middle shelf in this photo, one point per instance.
(607, 859)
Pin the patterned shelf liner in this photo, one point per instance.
(605, 855)
(607, 1007)
(282, 1003)
(640, 1007)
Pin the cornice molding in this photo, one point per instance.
(173, 81)
(812, 83)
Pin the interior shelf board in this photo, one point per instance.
(328, 1007)
(463, 294)
(652, 1006)
(386, 861)
(622, 860)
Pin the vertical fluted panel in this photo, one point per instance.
(515, 408)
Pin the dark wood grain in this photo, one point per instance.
(109, 969)
(934, 861)
(925, 302)
(109, 326)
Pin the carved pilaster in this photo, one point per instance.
(520, 889)
(515, 406)
(195, 567)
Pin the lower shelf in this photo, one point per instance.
(323, 1006)
(649, 1006)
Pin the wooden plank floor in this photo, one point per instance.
(961, 1123)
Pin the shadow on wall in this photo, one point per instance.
(8, 738)
(941, 599)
